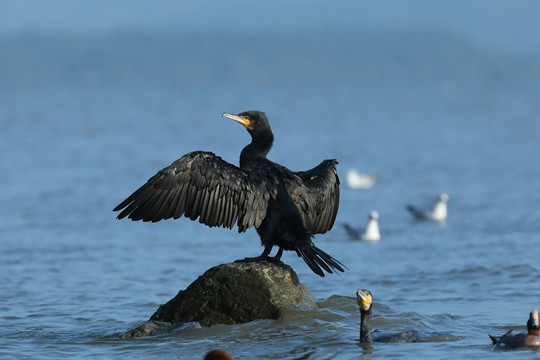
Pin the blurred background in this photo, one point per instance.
(427, 96)
(269, 43)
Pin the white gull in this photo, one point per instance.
(371, 232)
(356, 180)
(439, 213)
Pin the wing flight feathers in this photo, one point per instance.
(199, 185)
(318, 199)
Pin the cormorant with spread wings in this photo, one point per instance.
(285, 207)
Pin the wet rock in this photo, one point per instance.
(151, 327)
(237, 293)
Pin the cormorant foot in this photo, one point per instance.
(252, 259)
(272, 259)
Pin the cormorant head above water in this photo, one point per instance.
(365, 302)
(287, 208)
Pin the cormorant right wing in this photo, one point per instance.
(318, 199)
(200, 185)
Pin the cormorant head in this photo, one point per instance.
(533, 325)
(262, 138)
(364, 300)
(254, 121)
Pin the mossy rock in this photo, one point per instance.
(237, 293)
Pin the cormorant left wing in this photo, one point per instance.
(199, 185)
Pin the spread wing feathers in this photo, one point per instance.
(200, 185)
(317, 199)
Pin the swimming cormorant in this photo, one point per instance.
(365, 302)
(530, 339)
(285, 207)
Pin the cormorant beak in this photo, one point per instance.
(364, 296)
(244, 120)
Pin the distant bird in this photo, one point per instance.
(218, 355)
(530, 339)
(365, 302)
(371, 233)
(285, 207)
(356, 180)
(439, 212)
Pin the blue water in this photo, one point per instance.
(72, 278)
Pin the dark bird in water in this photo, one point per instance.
(530, 339)
(285, 207)
(218, 355)
(365, 302)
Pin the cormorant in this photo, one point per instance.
(371, 232)
(285, 207)
(438, 214)
(365, 302)
(530, 339)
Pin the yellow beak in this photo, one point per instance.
(242, 120)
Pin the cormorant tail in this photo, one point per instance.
(315, 258)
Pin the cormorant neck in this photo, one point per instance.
(365, 326)
(260, 145)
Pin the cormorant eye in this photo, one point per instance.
(246, 117)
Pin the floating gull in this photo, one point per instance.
(356, 180)
(372, 229)
(439, 212)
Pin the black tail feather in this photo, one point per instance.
(315, 258)
(311, 263)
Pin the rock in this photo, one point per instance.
(237, 293)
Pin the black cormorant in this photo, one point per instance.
(365, 302)
(530, 339)
(285, 207)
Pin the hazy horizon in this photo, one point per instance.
(502, 24)
(411, 58)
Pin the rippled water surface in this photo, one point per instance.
(72, 278)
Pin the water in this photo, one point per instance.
(72, 278)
